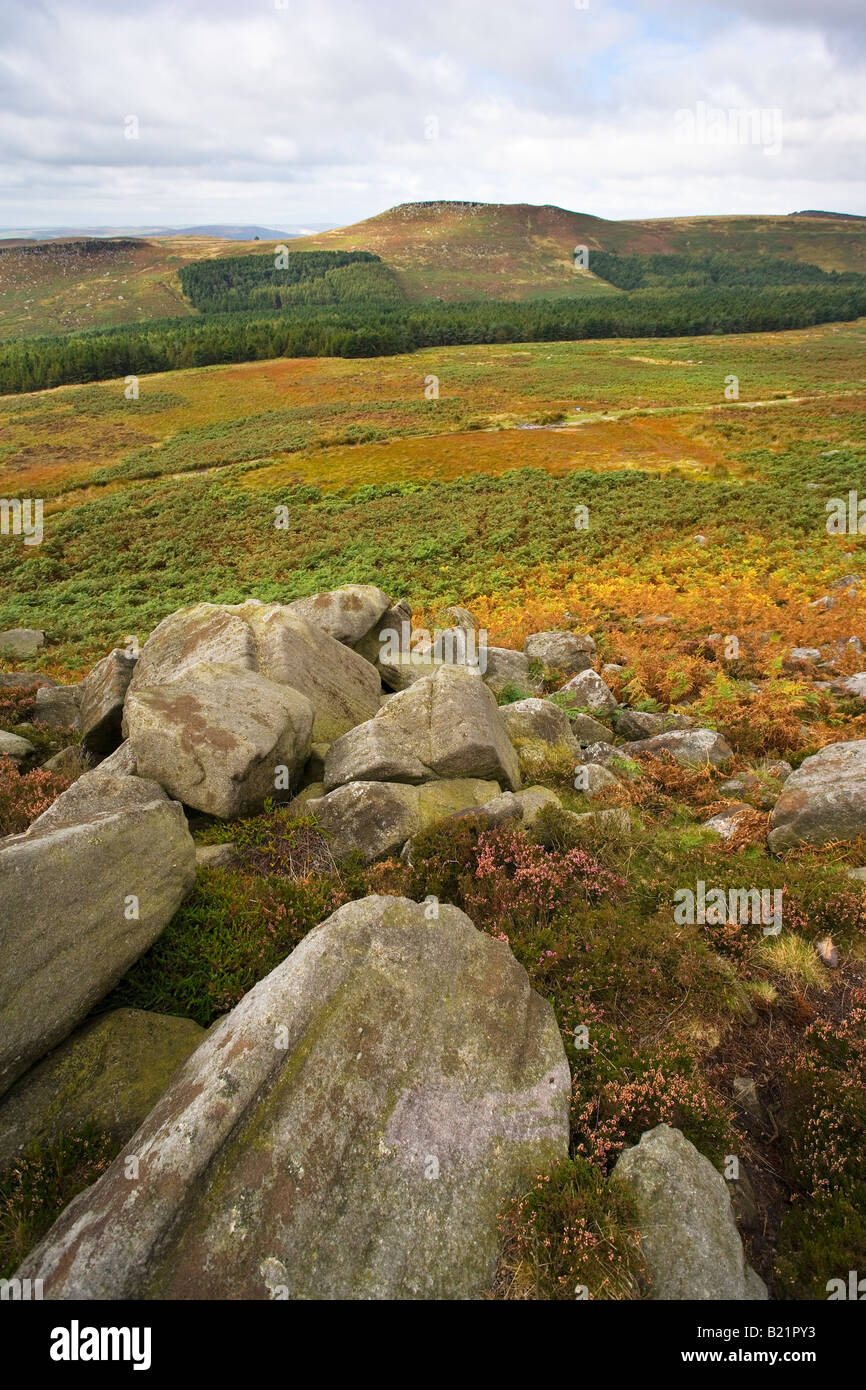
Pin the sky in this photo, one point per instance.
(291, 113)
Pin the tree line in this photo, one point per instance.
(374, 328)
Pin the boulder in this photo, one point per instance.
(220, 739)
(689, 1237)
(688, 747)
(83, 893)
(638, 724)
(453, 726)
(588, 691)
(509, 668)
(534, 800)
(595, 779)
(825, 799)
(15, 747)
(204, 632)
(342, 687)
(561, 651)
(222, 856)
(389, 626)
(461, 617)
(541, 734)
(377, 818)
(346, 614)
(22, 641)
(101, 697)
(586, 729)
(57, 706)
(349, 1131)
(24, 680)
(373, 752)
(109, 1074)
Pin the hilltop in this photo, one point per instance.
(462, 250)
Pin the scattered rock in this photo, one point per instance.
(69, 762)
(588, 691)
(368, 1107)
(56, 706)
(216, 856)
(688, 1233)
(15, 747)
(688, 747)
(586, 729)
(825, 799)
(540, 732)
(801, 656)
(22, 641)
(109, 1074)
(638, 724)
(851, 685)
(616, 760)
(534, 800)
(377, 818)
(561, 651)
(726, 822)
(597, 778)
(509, 668)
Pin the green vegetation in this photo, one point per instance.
(232, 283)
(373, 327)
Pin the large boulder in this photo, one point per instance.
(374, 752)
(349, 1131)
(100, 703)
(453, 726)
(541, 735)
(109, 1074)
(689, 1237)
(220, 739)
(206, 632)
(561, 651)
(342, 686)
(346, 614)
(377, 818)
(688, 747)
(83, 893)
(825, 799)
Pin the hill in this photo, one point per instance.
(446, 250)
(461, 250)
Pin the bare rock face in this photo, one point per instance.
(83, 893)
(100, 703)
(570, 652)
(637, 724)
(825, 799)
(346, 614)
(505, 667)
(349, 1131)
(219, 739)
(688, 1233)
(57, 706)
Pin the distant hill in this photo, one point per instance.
(446, 250)
(462, 250)
(216, 229)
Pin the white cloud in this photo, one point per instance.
(321, 111)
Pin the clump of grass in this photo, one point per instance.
(794, 959)
(40, 1183)
(571, 1234)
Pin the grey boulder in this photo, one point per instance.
(349, 1131)
(563, 651)
(100, 704)
(688, 747)
(825, 799)
(219, 739)
(688, 1233)
(346, 614)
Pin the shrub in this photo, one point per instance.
(24, 797)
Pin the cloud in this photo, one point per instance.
(328, 110)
